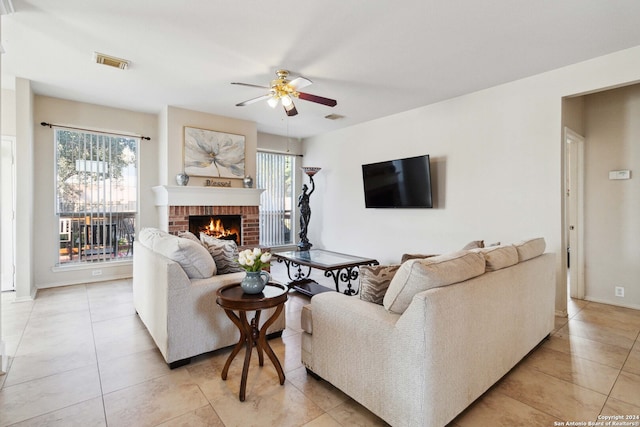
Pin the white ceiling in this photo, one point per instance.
(375, 57)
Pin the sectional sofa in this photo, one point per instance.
(448, 328)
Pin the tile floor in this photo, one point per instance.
(80, 356)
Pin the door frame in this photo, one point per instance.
(574, 211)
(8, 217)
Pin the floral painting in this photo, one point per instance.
(213, 154)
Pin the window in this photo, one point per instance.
(96, 195)
(275, 175)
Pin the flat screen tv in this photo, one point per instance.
(402, 183)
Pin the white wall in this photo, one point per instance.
(45, 225)
(497, 167)
(612, 208)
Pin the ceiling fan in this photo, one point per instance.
(282, 90)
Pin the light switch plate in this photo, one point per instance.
(622, 174)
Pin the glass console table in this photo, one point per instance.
(342, 268)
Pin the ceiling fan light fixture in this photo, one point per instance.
(273, 101)
(286, 101)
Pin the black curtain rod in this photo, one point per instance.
(50, 125)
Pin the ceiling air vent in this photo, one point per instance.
(334, 117)
(111, 61)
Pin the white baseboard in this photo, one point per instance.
(614, 303)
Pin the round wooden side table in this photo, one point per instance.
(230, 298)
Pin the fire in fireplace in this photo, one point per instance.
(226, 227)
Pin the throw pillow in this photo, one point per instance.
(473, 245)
(418, 275)
(224, 253)
(374, 281)
(407, 257)
(498, 257)
(192, 257)
(189, 235)
(530, 248)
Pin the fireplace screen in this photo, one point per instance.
(226, 227)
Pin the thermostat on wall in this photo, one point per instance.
(623, 174)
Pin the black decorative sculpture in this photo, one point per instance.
(305, 209)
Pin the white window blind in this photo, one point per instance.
(96, 195)
(275, 175)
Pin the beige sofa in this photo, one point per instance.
(450, 327)
(174, 294)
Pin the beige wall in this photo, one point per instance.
(612, 207)
(177, 118)
(70, 113)
(497, 168)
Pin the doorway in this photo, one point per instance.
(7, 214)
(574, 208)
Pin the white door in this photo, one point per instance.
(7, 215)
(574, 173)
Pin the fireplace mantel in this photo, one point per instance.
(166, 195)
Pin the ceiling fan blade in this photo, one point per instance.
(291, 110)
(250, 85)
(299, 83)
(253, 100)
(318, 99)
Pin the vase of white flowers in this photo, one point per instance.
(253, 261)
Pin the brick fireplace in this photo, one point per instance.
(175, 205)
(250, 230)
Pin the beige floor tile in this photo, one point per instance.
(606, 315)
(50, 328)
(556, 381)
(324, 420)
(105, 329)
(121, 345)
(105, 312)
(153, 402)
(595, 351)
(267, 405)
(62, 293)
(596, 332)
(132, 369)
(27, 400)
(559, 322)
(498, 410)
(320, 392)
(201, 417)
(351, 413)
(551, 395)
(627, 388)
(85, 414)
(54, 361)
(575, 305)
(14, 323)
(49, 308)
(567, 367)
(632, 364)
(618, 407)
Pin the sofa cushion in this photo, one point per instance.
(407, 257)
(530, 248)
(418, 275)
(473, 245)
(374, 281)
(192, 257)
(224, 253)
(498, 257)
